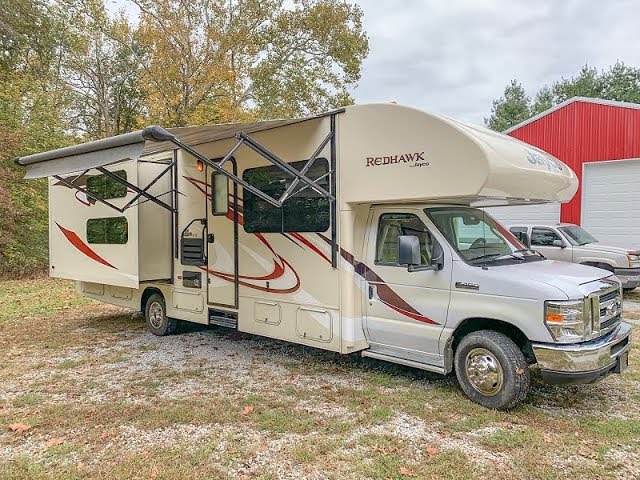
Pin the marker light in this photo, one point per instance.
(200, 166)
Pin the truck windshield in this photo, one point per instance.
(577, 235)
(477, 237)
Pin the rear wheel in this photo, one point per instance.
(491, 369)
(155, 314)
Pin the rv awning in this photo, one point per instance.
(130, 146)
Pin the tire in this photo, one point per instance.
(155, 314)
(487, 351)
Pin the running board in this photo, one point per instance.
(403, 361)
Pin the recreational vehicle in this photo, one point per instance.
(360, 230)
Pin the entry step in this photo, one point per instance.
(223, 319)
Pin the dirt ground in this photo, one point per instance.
(86, 392)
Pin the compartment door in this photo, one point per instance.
(222, 238)
(89, 241)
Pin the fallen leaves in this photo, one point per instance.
(431, 451)
(247, 410)
(519, 371)
(407, 472)
(52, 442)
(19, 427)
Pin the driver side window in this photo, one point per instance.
(543, 237)
(390, 227)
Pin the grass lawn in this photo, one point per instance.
(88, 393)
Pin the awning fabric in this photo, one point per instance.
(130, 146)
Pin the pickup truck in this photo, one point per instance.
(572, 243)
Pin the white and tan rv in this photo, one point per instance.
(360, 230)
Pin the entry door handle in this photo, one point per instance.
(371, 291)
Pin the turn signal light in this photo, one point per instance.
(555, 318)
(200, 166)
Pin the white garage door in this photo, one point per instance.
(547, 213)
(611, 201)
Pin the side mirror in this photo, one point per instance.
(558, 243)
(408, 250)
(409, 254)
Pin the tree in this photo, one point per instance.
(104, 74)
(619, 82)
(227, 60)
(510, 109)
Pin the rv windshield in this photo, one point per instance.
(477, 237)
(577, 235)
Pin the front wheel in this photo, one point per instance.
(491, 369)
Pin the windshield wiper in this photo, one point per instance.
(488, 255)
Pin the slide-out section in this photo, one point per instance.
(92, 242)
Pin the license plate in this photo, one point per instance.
(623, 362)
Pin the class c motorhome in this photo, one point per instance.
(360, 230)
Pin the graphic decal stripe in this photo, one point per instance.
(77, 242)
(385, 293)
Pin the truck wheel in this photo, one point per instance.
(155, 313)
(492, 370)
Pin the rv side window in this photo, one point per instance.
(111, 230)
(390, 227)
(106, 187)
(305, 211)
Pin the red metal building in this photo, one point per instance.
(587, 134)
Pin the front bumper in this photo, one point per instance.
(585, 362)
(630, 277)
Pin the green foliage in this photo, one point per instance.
(619, 82)
(70, 72)
(512, 108)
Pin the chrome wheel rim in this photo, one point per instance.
(484, 372)
(156, 315)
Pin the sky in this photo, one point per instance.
(454, 57)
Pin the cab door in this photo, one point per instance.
(222, 239)
(547, 241)
(405, 312)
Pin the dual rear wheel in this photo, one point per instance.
(155, 314)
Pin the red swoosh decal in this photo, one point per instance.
(77, 242)
(385, 293)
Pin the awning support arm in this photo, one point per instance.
(221, 170)
(151, 184)
(90, 195)
(305, 169)
(255, 146)
(135, 188)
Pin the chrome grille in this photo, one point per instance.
(608, 305)
(603, 306)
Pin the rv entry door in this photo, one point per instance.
(222, 238)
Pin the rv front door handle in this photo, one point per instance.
(211, 238)
(370, 292)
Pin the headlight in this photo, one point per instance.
(567, 321)
(634, 260)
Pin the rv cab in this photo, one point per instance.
(360, 231)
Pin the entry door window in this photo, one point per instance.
(543, 237)
(390, 227)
